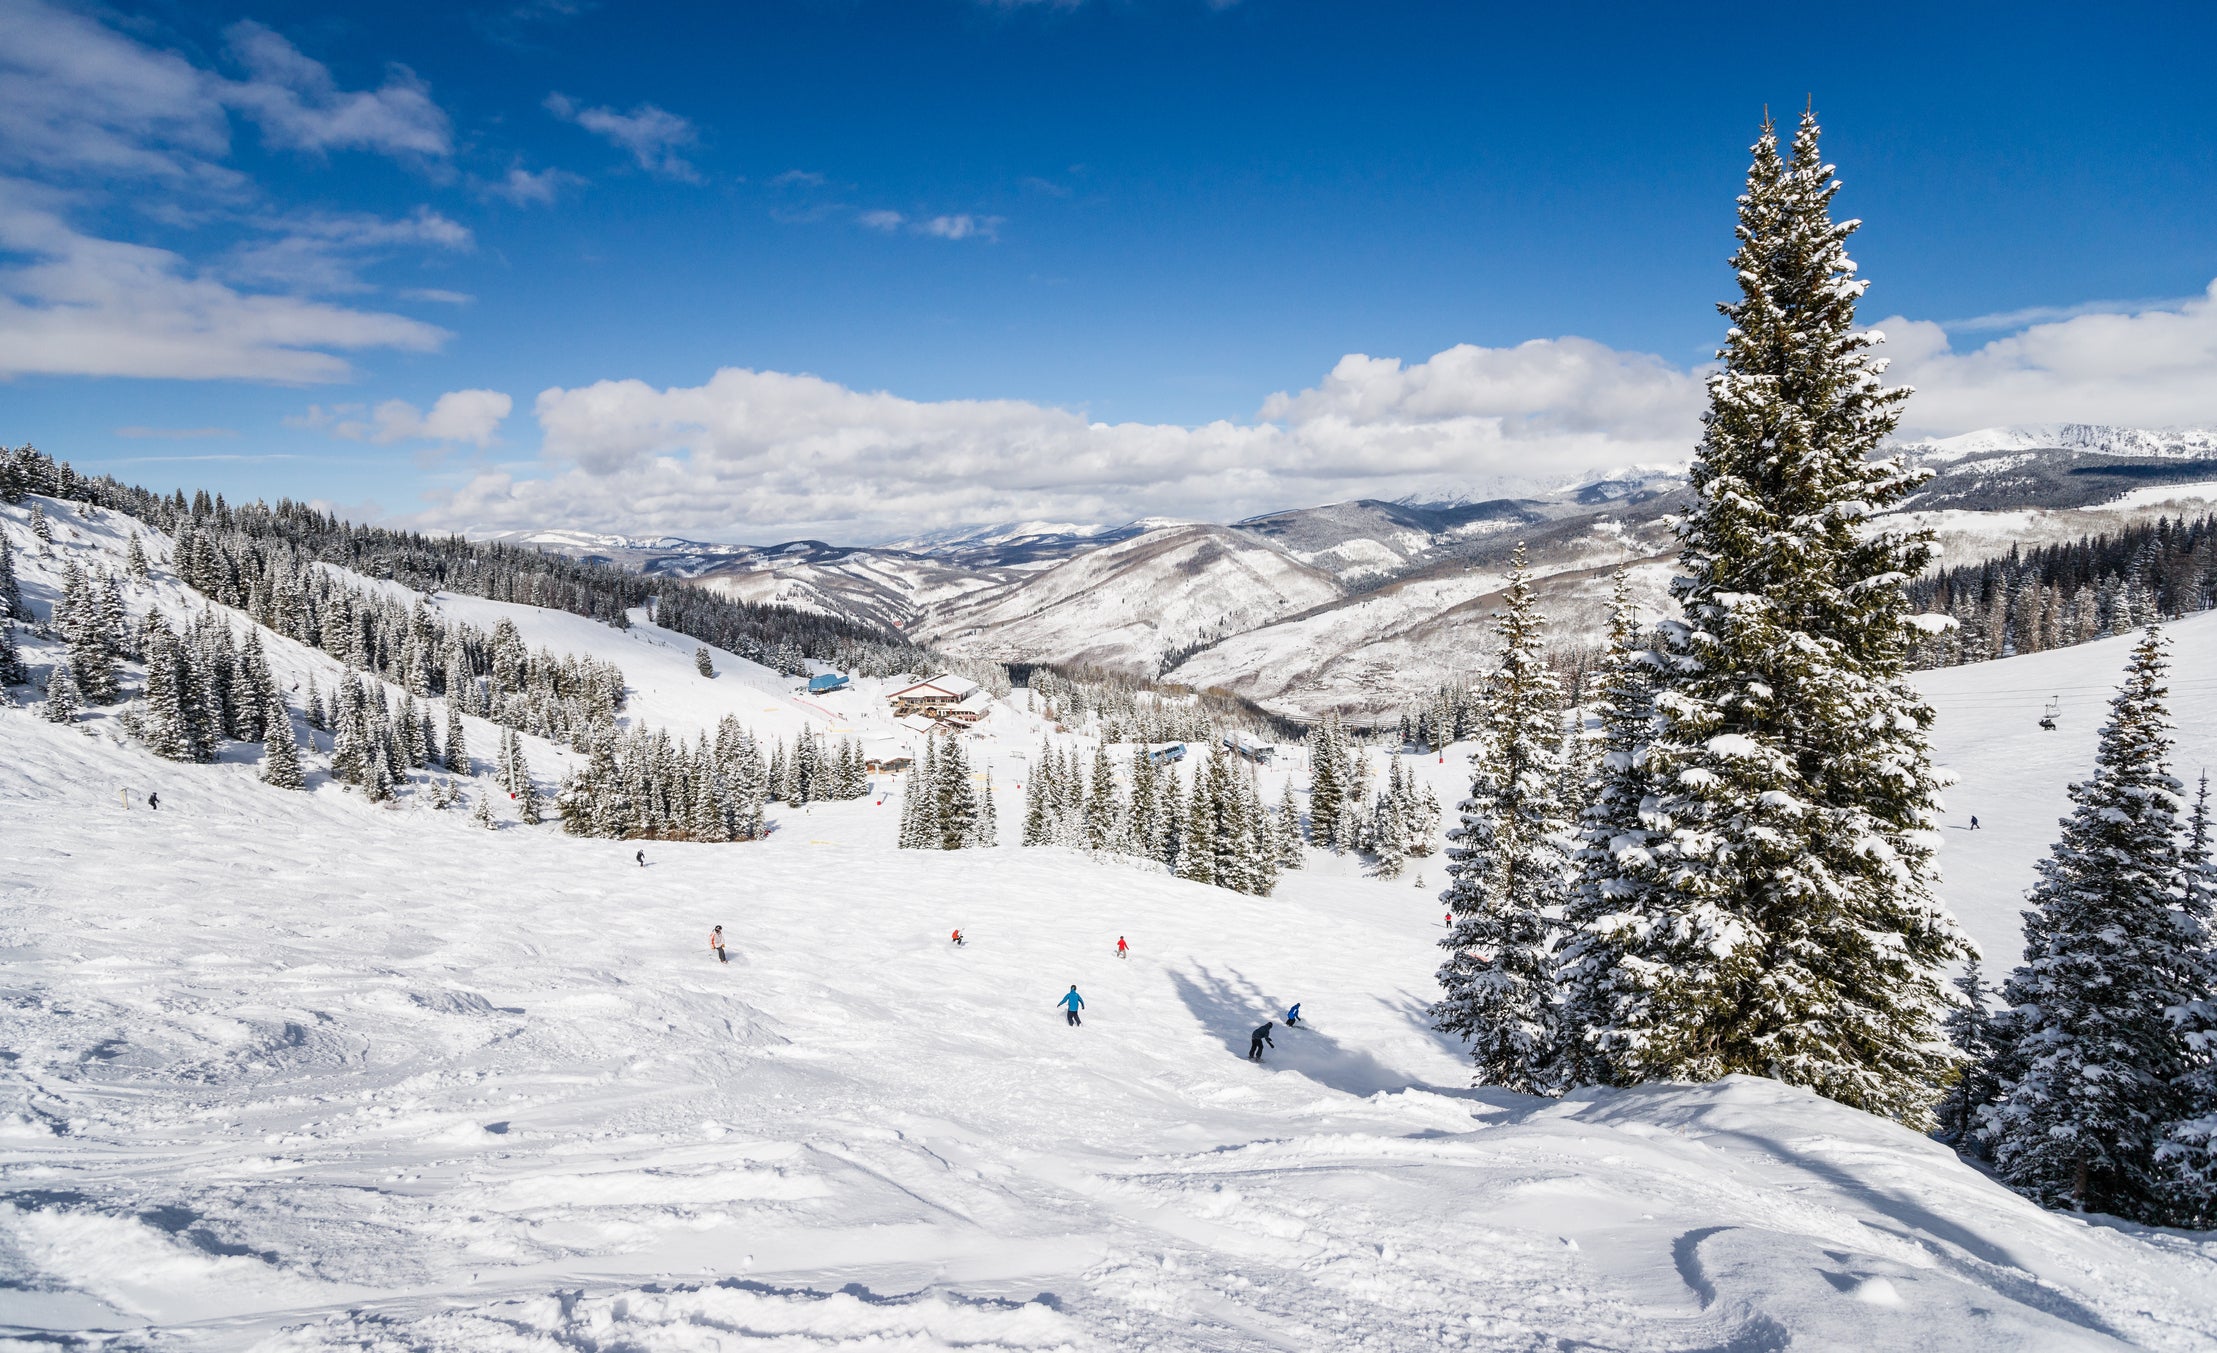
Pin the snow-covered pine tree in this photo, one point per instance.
(91, 649)
(957, 798)
(1197, 846)
(2187, 1156)
(252, 689)
(166, 723)
(1971, 1032)
(11, 589)
(1509, 866)
(2096, 1055)
(482, 813)
(457, 749)
(12, 670)
(986, 832)
(920, 801)
(410, 727)
(702, 663)
(62, 703)
(1327, 790)
(1286, 828)
(134, 559)
(317, 716)
(280, 753)
(530, 806)
(1612, 910)
(1786, 923)
(40, 527)
(1104, 805)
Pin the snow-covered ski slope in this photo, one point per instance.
(291, 1071)
(2014, 776)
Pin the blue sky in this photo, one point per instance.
(856, 269)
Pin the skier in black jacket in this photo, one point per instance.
(1261, 1036)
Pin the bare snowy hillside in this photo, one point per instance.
(1135, 603)
(291, 1070)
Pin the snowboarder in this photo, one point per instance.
(1072, 1004)
(716, 943)
(153, 800)
(1260, 1037)
(1122, 949)
(641, 857)
(1974, 822)
(1293, 1016)
(956, 937)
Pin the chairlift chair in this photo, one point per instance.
(2047, 716)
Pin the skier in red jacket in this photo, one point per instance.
(1121, 947)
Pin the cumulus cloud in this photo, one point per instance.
(83, 306)
(471, 417)
(888, 221)
(2147, 367)
(757, 455)
(652, 135)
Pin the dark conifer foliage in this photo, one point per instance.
(2052, 596)
(2100, 1067)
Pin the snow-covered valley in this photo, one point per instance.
(292, 1070)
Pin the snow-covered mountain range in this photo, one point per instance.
(1362, 606)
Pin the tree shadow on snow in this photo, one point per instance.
(1232, 1008)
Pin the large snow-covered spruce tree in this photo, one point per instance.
(1779, 917)
(1509, 864)
(2110, 953)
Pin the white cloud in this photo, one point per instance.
(438, 296)
(764, 455)
(298, 104)
(92, 307)
(761, 454)
(962, 227)
(325, 251)
(80, 98)
(524, 188)
(471, 416)
(2153, 367)
(652, 135)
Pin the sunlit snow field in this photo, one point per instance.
(292, 1071)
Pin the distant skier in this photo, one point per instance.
(153, 800)
(1071, 1005)
(1293, 1016)
(716, 943)
(641, 857)
(1974, 822)
(1255, 1042)
(1122, 949)
(956, 937)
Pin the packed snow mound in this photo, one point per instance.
(288, 1071)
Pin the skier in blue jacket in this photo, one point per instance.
(1072, 1004)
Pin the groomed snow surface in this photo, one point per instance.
(290, 1071)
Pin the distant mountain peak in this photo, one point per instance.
(2101, 439)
